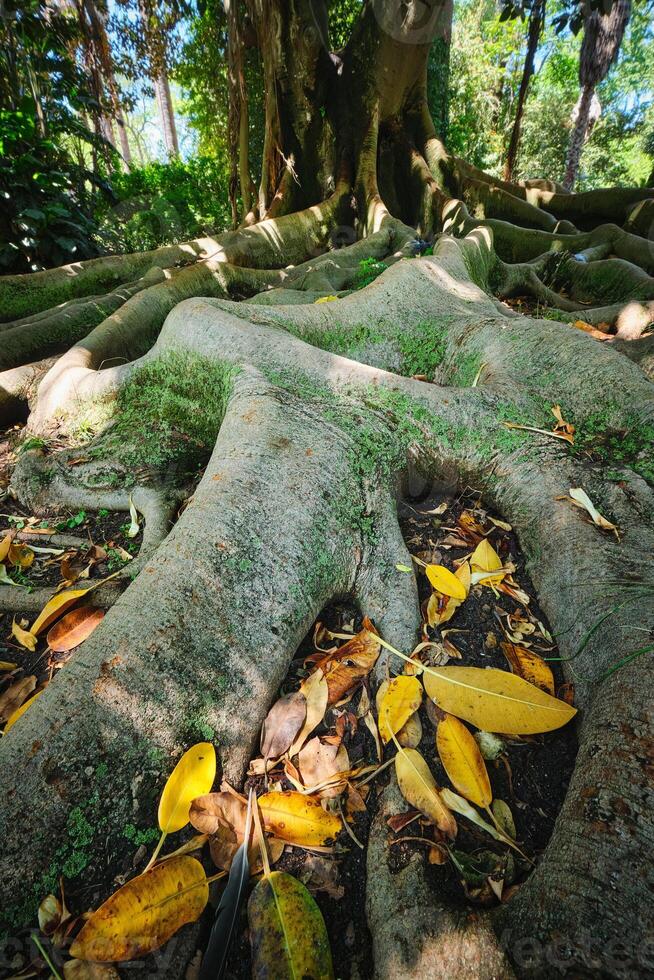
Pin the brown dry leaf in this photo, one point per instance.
(562, 428)
(315, 691)
(529, 666)
(75, 627)
(352, 662)
(282, 724)
(401, 820)
(15, 696)
(222, 817)
(438, 855)
(320, 874)
(319, 762)
(19, 712)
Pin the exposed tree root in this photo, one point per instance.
(296, 506)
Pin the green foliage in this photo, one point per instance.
(164, 203)
(486, 67)
(368, 271)
(47, 191)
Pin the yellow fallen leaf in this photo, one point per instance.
(530, 666)
(192, 776)
(24, 637)
(485, 559)
(495, 700)
(462, 761)
(418, 787)
(55, 607)
(400, 700)
(20, 555)
(5, 544)
(143, 914)
(444, 581)
(436, 617)
(298, 819)
(326, 299)
(7, 665)
(19, 712)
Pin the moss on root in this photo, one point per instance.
(170, 411)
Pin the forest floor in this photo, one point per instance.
(530, 774)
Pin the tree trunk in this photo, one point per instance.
(318, 407)
(101, 41)
(536, 21)
(578, 137)
(438, 73)
(166, 114)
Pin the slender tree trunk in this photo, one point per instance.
(101, 40)
(165, 103)
(238, 117)
(536, 21)
(578, 137)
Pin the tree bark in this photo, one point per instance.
(101, 41)
(578, 137)
(166, 113)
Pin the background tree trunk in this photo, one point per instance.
(166, 113)
(438, 73)
(536, 22)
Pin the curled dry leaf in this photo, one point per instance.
(49, 914)
(581, 499)
(319, 762)
(400, 699)
(143, 914)
(316, 692)
(495, 700)
(15, 696)
(462, 761)
(504, 818)
(440, 609)
(75, 627)
(24, 637)
(20, 555)
(298, 819)
(351, 663)
(418, 787)
(529, 666)
(193, 776)
(19, 712)
(282, 724)
(133, 528)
